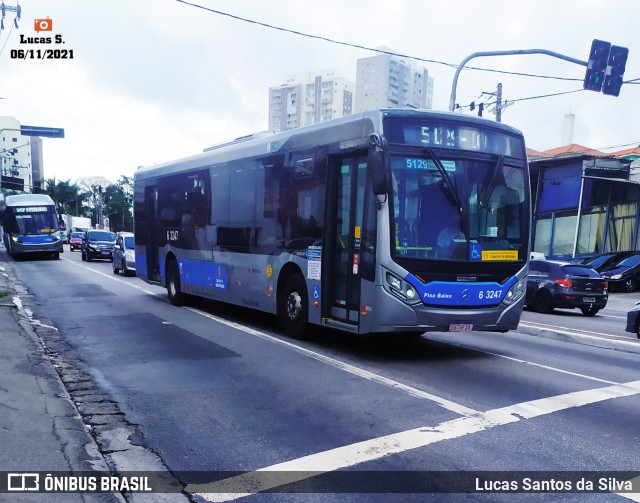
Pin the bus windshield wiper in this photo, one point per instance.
(491, 179)
(449, 188)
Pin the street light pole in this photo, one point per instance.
(452, 100)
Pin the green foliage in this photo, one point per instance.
(66, 195)
(118, 200)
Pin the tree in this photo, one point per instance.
(118, 200)
(89, 187)
(65, 195)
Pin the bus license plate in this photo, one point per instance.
(460, 326)
(588, 299)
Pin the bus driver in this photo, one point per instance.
(449, 237)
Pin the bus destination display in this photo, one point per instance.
(455, 136)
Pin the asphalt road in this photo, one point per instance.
(213, 388)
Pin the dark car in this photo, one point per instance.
(606, 260)
(624, 276)
(97, 244)
(633, 320)
(75, 240)
(554, 284)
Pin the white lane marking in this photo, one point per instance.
(632, 496)
(469, 414)
(546, 367)
(377, 448)
(443, 402)
(598, 335)
(612, 316)
(110, 276)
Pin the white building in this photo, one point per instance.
(20, 157)
(309, 98)
(387, 81)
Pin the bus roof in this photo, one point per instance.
(28, 200)
(344, 130)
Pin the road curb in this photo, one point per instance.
(107, 442)
(625, 344)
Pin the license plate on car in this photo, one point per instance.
(588, 299)
(460, 326)
(104, 253)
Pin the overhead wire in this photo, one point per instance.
(366, 48)
(7, 40)
(393, 53)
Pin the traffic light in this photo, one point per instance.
(613, 77)
(597, 66)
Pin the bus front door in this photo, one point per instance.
(349, 175)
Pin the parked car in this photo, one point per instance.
(552, 284)
(606, 260)
(624, 276)
(75, 240)
(633, 320)
(97, 244)
(124, 255)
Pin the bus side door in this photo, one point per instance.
(348, 179)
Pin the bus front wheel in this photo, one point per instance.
(176, 297)
(294, 307)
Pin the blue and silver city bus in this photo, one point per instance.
(30, 225)
(342, 224)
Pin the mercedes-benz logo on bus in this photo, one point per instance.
(465, 294)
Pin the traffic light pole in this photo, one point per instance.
(452, 101)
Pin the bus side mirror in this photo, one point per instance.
(377, 164)
(379, 180)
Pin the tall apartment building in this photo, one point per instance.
(387, 81)
(20, 158)
(309, 98)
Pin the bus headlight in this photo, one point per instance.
(401, 288)
(394, 282)
(516, 291)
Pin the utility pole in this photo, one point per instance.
(499, 107)
(4, 8)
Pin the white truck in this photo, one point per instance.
(77, 224)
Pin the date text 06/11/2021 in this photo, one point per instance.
(41, 53)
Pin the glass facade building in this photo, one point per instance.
(583, 204)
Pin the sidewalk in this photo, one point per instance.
(40, 428)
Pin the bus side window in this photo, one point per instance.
(306, 202)
(270, 225)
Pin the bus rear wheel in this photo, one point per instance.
(176, 297)
(293, 307)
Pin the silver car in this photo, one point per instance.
(124, 255)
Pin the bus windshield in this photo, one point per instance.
(464, 207)
(29, 221)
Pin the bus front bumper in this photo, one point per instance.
(420, 318)
(20, 248)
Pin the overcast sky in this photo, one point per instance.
(154, 80)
